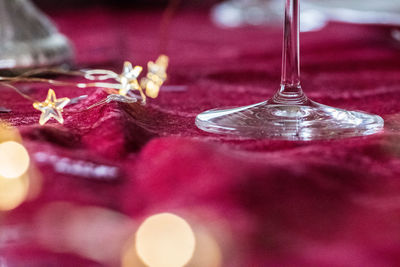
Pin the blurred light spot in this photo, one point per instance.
(13, 192)
(165, 240)
(396, 34)
(8, 133)
(50, 224)
(268, 13)
(226, 15)
(208, 252)
(94, 233)
(93, 227)
(130, 257)
(14, 159)
(15, 181)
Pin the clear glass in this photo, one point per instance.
(289, 114)
(29, 39)
(236, 13)
(382, 12)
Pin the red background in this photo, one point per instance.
(325, 203)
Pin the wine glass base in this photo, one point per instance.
(310, 121)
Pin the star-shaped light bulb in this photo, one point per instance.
(128, 78)
(159, 67)
(51, 107)
(156, 76)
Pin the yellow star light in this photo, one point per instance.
(128, 78)
(51, 107)
(156, 76)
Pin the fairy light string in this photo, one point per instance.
(125, 87)
(122, 85)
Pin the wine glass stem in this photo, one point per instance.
(290, 91)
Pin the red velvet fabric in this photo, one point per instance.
(324, 203)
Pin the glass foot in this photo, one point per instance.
(309, 121)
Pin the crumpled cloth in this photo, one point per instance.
(318, 203)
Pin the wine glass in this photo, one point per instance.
(289, 114)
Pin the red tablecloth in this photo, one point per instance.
(325, 203)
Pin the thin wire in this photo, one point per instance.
(27, 76)
(50, 71)
(19, 92)
(43, 80)
(104, 85)
(165, 24)
(99, 103)
(54, 82)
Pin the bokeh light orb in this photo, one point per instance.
(13, 192)
(208, 251)
(165, 240)
(14, 160)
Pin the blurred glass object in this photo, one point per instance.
(382, 12)
(236, 13)
(28, 38)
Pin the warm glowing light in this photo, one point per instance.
(13, 192)
(165, 240)
(156, 76)
(208, 252)
(8, 133)
(129, 257)
(14, 164)
(51, 107)
(14, 160)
